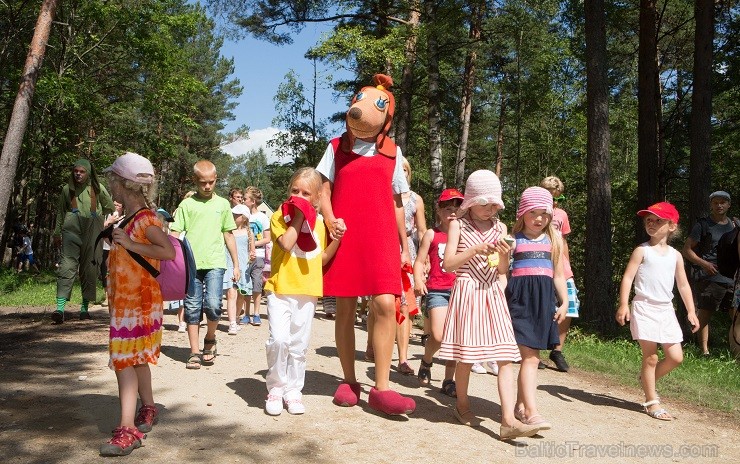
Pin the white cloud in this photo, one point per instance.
(257, 138)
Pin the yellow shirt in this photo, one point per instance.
(296, 272)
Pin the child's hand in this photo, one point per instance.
(502, 247)
(560, 313)
(252, 255)
(694, 321)
(420, 288)
(120, 237)
(337, 228)
(484, 248)
(623, 314)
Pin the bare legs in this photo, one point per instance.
(194, 335)
(436, 325)
(703, 333)
(563, 327)
(132, 382)
(653, 369)
(383, 335)
(527, 381)
(403, 333)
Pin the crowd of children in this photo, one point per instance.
(489, 296)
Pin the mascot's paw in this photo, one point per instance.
(390, 402)
(347, 394)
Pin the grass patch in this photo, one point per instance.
(712, 382)
(27, 289)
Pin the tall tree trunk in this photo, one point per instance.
(647, 114)
(599, 290)
(435, 99)
(468, 83)
(500, 135)
(402, 121)
(700, 171)
(22, 107)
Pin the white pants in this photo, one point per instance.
(289, 320)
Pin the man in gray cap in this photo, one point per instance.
(712, 291)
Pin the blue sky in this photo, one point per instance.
(261, 67)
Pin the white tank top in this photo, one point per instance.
(656, 275)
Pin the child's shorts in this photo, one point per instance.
(27, 257)
(436, 299)
(573, 303)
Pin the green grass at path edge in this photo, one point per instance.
(712, 382)
(28, 289)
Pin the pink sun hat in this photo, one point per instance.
(134, 167)
(482, 187)
(534, 198)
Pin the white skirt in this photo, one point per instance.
(655, 322)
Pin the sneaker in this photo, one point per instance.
(256, 320)
(541, 365)
(478, 369)
(125, 440)
(183, 327)
(274, 405)
(85, 316)
(295, 405)
(57, 317)
(245, 320)
(233, 328)
(557, 357)
(146, 418)
(493, 366)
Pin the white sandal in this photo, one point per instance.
(658, 412)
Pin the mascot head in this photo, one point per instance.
(370, 116)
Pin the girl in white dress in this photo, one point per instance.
(654, 267)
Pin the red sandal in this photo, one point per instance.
(124, 441)
(146, 418)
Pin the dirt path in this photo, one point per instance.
(58, 403)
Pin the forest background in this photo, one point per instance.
(502, 85)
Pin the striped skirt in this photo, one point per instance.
(478, 326)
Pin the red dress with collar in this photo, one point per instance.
(368, 262)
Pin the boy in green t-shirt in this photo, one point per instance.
(208, 223)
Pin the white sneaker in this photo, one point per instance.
(493, 366)
(478, 369)
(295, 406)
(274, 405)
(233, 328)
(183, 327)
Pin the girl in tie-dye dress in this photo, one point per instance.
(135, 300)
(478, 326)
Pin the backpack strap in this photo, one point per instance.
(108, 233)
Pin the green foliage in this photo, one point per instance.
(144, 76)
(28, 289)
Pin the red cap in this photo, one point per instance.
(663, 210)
(307, 240)
(450, 194)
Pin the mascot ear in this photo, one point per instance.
(383, 143)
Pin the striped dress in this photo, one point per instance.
(530, 293)
(135, 301)
(478, 326)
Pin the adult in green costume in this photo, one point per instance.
(80, 211)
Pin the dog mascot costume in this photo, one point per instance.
(361, 202)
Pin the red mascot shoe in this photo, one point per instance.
(390, 402)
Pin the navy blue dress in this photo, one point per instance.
(530, 294)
